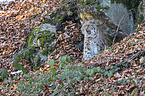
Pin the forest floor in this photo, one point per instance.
(119, 70)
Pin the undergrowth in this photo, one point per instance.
(66, 79)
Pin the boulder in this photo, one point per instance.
(43, 39)
(40, 43)
(101, 23)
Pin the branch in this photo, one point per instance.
(119, 26)
(140, 53)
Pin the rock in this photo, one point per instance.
(40, 43)
(99, 25)
(119, 14)
(42, 38)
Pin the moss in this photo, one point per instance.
(32, 36)
(38, 46)
(85, 2)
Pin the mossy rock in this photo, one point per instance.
(43, 39)
(40, 43)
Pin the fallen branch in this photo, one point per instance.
(131, 57)
(119, 26)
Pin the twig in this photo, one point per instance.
(73, 89)
(95, 63)
(119, 25)
(132, 57)
(115, 56)
(58, 91)
(136, 55)
(104, 61)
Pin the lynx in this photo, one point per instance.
(93, 38)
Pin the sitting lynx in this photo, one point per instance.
(93, 38)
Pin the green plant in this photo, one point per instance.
(63, 80)
(26, 53)
(3, 73)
